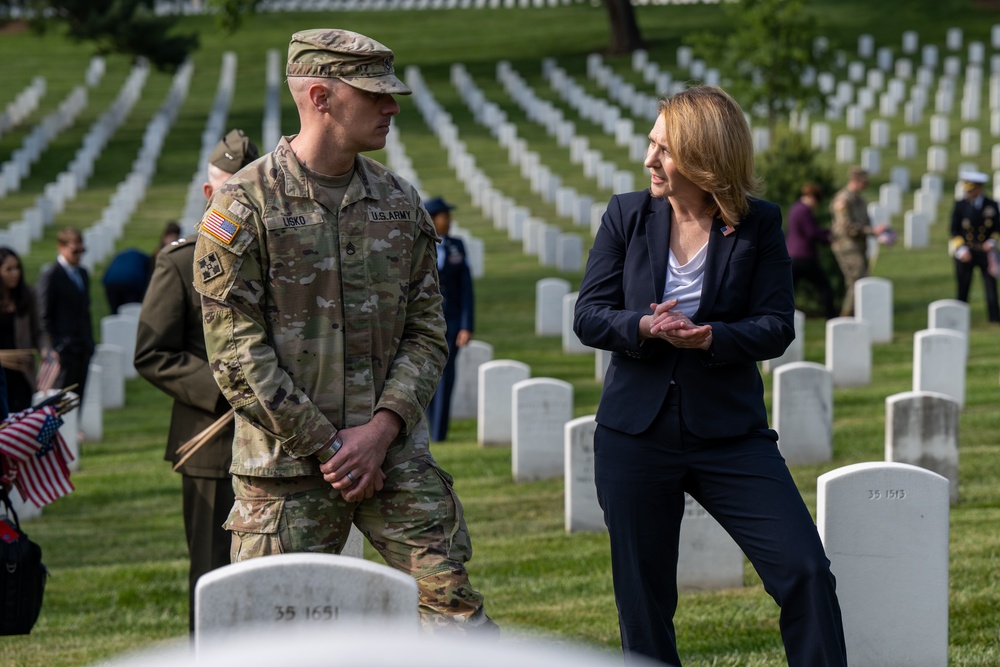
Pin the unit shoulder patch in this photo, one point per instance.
(209, 266)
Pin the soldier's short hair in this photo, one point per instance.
(342, 54)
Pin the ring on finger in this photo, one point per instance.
(351, 477)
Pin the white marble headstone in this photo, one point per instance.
(885, 530)
(549, 293)
(939, 357)
(921, 428)
(496, 380)
(873, 304)
(92, 405)
(803, 412)
(300, 591)
(111, 359)
(464, 395)
(571, 343)
(121, 330)
(795, 350)
(949, 314)
(541, 408)
(848, 351)
(583, 512)
(707, 557)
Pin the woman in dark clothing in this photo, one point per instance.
(804, 234)
(20, 333)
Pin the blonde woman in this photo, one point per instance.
(689, 285)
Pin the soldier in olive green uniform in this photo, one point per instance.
(323, 322)
(170, 353)
(849, 233)
(975, 230)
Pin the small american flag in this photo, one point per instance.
(220, 226)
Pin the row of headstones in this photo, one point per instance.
(23, 105)
(563, 250)
(19, 166)
(856, 505)
(940, 351)
(215, 129)
(939, 362)
(641, 105)
(14, 170)
(847, 99)
(601, 113)
(884, 527)
(554, 247)
(20, 234)
(196, 8)
(100, 237)
(546, 442)
(502, 210)
(551, 117)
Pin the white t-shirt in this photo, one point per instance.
(684, 282)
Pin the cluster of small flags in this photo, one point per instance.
(35, 457)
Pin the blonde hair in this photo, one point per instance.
(709, 142)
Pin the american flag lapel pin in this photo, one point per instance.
(727, 230)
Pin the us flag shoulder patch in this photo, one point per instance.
(219, 226)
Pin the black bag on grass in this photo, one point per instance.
(22, 575)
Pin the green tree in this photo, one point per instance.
(765, 54)
(788, 164)
(124, 26)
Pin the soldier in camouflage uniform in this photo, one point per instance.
(849, 233)
(323, 323)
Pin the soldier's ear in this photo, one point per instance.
(320, 97)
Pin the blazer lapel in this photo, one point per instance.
(658, 243)
(720, 247)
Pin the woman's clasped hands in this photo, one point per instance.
(675, 327)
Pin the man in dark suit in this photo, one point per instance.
(456, 288)
(64, 310)
(975, 230)
(170, 353)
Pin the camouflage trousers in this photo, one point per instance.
(415, 522)
(854, 265)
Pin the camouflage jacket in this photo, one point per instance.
(851, 225)
(316, 318)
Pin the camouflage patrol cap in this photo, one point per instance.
(233, 152)
(341, 54)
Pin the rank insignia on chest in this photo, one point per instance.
(220, 226)
(209, 267)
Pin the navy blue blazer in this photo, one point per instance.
(747, 297)
(456, 286)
